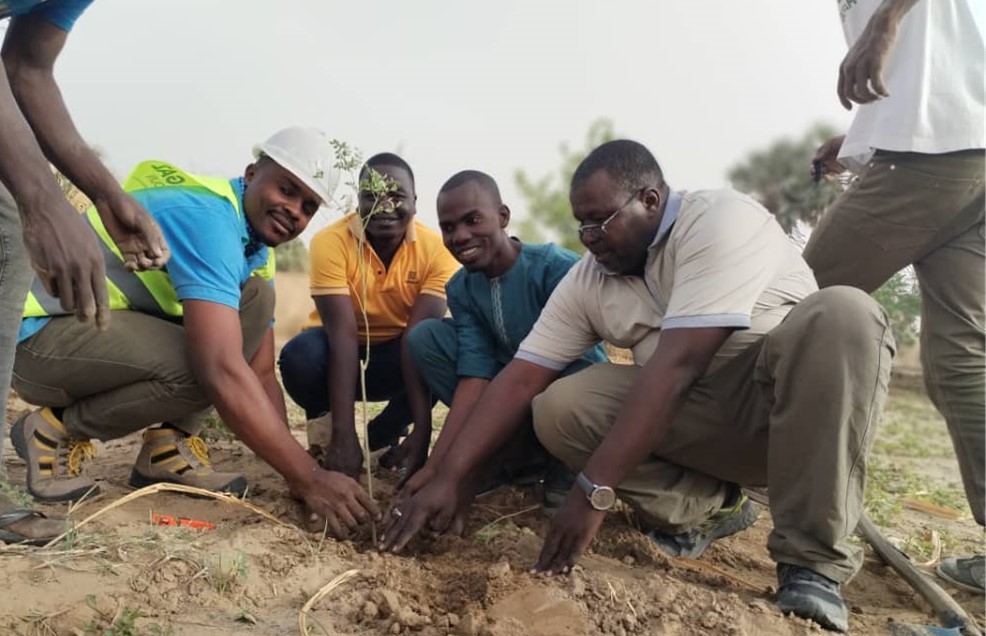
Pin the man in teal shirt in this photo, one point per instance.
(495, 299)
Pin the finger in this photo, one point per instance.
(548, 551)
(102, 298)
(879, 87)
(859, 90)
(415, 521)
(346, 517)
(367, 503)
(564, 556)
(357, 511)
(394, 528)
(130, 262)
(338, 531)
(458, 526)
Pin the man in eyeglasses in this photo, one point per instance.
(744, 374)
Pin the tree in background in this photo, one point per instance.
(779, 177)
(292, 256)
(549, 211)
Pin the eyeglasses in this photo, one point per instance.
(596, 231)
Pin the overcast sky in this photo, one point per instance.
(451, 85)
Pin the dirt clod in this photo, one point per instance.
(499, 570)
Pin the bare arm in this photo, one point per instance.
(263, 366)
(30, 50)
(861, 71)
(344, 453)
(215, 351)
(661, 387)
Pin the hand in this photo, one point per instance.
(134, 231)
(410, 456)
(65, 253)
(416, 482)
(828, 155)
(339, 500)
(572, 530)
(435, 506)
(861, 71)
(343, 455)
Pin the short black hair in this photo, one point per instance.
(387, 159)
(483, 180)
(627, 162)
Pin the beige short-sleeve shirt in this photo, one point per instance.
(719, 259)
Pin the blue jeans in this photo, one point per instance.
(15, 281)
(304, 364)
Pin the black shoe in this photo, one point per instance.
(736, 517)
(383, 433)
(808, 594)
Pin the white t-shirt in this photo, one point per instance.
(934, 76)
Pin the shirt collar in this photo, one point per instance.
(251, 242)
(356, 228)
(671, 209)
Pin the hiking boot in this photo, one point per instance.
(739, 514)
(808, 594)
(968, 573)
(172, 456)
(54, 459)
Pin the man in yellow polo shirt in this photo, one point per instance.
(406, 266)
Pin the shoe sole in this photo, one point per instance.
(236, 487)
(20, 447)
(965, 586)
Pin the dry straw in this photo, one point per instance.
(328, 587)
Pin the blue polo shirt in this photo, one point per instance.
(61, 13)
(493, 315)
(213, 249)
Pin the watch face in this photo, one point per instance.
(602, 498)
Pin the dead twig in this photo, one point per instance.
(328, 587)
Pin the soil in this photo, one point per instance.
(123, 574)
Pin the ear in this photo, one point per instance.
(504, 214)
(249, 173)
(653, 200)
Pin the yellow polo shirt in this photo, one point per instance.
(421, 265)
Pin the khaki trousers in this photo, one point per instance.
(795, 412)
(130, 376)
(925, 210)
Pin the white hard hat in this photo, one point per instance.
(307, 154)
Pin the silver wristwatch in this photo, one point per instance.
(600, 497)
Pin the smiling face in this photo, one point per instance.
(622, 248)
(392, 212)
(277, 204)
(472, 223)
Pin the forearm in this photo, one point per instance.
(418, 395)
(44, 109)
(343, 371)
(499, 414)
(891, 12)
(23, 168)
(467, 395)
(640, 426)
(244, 404)
(272, 388)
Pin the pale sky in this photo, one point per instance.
(452, 85)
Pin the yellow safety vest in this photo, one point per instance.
(147, 292)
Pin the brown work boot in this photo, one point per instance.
(171, 456)
(54, 459)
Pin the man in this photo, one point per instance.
(374, 275)
(743, 375)
(916, 145)
(494, 299)
(197, 335)
(37, 224)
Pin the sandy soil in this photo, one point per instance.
(122, 574)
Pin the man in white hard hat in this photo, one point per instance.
(183, 340)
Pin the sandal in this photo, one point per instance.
(18, 514)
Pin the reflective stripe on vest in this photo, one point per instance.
(147, 292)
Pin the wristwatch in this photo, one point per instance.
(600, 497)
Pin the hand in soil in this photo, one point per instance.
(572, 530)
(433, 507)
(343, 455)
(410, 456)
(339, 500)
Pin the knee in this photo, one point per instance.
(849, 316)
(302, 361)
(257, 298)
(427, 340)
